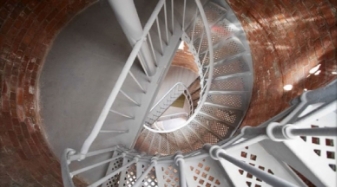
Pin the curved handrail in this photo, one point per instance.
(204, 87)
(187, 95)
(126, 70)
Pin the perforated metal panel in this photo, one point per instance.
(226, 115)
(181, 141)
(172, 143)
(147, 142)
(164, 147)
(231, 67)
(214, 12)
(114, 181)
(233, 84)
(128, 176)
(155, 146)
(141, 138)
(192, 138)
(235, 101)
(219, 32)
(226, 49)
(215, 127)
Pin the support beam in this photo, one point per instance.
(179, 160)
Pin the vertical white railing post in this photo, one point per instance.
(146, 172)
(217, 153)
(179, 160)
(128, 19)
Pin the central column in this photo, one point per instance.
(127, 16)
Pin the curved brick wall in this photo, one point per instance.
(27, 29)
(287, 39)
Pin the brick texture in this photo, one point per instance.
(287, 38)
(27, 29)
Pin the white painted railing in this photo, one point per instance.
(165, 102)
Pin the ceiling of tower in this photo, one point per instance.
(287, 40)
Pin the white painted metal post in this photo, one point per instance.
(218, 153)
(179, 160)
(128, 19)
(146, 172)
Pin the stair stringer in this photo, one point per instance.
(258, 157)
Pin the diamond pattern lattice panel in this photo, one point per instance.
(324, 147)
(256, 156)
(168, 175)
(204, 172)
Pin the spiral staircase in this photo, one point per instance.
(208, 149)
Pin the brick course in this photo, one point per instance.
(27, 29)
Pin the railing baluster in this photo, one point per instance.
(146, 172)
(194, 23)
(121, 114)
(160, 38)
(166, 27)
(114, 131)
(172, 9)
(73, 173)
(128, 97)
(152, 48)
(204, 59)
(202, 38)
(102, 180)
(137, 82)
(184, 14)
(179, 160)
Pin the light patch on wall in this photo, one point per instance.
(334, 73)
(317, 72)
(314, 69)
(288, 87)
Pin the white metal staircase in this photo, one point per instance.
(208, 150)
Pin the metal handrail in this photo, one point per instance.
(122, 77)
(204, 87)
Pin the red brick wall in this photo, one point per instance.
(27, 29)
(287, 39)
